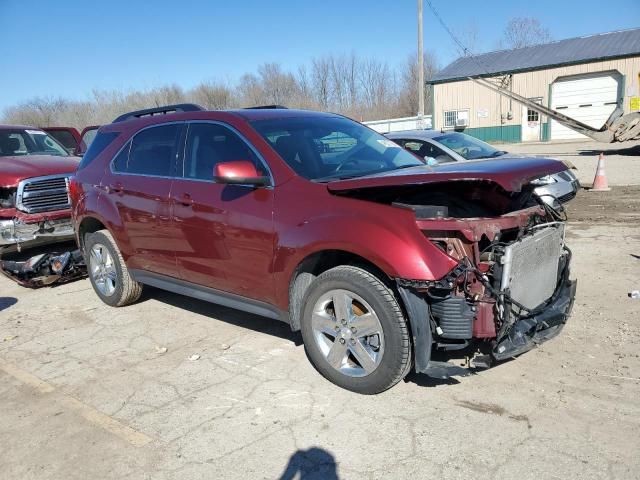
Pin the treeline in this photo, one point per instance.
(361, 88)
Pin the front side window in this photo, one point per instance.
(209, 144)
(29, 142)
(324, 148)
(468, 147)
(153, 152)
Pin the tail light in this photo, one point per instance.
(74, 190)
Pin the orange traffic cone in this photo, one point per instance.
(600, 183)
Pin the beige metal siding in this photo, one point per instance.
(468, 95)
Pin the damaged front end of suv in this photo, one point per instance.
(510, 288)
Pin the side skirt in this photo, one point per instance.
(207, 294)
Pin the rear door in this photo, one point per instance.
(226, 231)
(87, 136)
(139, 186)
(69, 138)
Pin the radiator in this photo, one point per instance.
(530, 266)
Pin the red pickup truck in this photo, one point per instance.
(34, 191)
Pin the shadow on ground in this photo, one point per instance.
(314, 463)
(6, 302)
(224, 314)
(633, 151)
(441, 370)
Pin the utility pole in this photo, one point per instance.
(420, 65)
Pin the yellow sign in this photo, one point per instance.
(634, 104)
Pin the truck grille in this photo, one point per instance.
(43, 194)
(530, 266)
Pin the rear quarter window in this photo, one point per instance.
(102, 141)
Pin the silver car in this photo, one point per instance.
(441, 147)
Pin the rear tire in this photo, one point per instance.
(108, 272)
(354, 331)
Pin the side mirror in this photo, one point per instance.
(239, 172)
(431, 161)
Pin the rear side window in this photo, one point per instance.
(209, 144)
(102, 141)
(151, 152)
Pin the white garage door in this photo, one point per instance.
(589, 99)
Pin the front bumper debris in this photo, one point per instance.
(46, 268)
(16, 232)
(529, 331)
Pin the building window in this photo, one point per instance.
(532, 116)
(456, 118)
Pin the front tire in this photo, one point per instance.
(354, 331)
(108, 272)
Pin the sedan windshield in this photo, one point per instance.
(29, 142)
(329, 148)
(468, 147)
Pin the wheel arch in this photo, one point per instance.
(318, 262)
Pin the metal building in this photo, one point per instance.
(584, 78)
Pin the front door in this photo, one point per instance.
(139, 188)
(226, 231)
(531, 123)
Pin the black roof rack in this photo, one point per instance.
(148, 112)
(265, 107)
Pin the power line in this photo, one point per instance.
(463, 49)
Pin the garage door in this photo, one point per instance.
(589, 99)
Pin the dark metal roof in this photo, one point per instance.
(602, 46)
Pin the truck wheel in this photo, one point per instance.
(108, 272)
(354, 331)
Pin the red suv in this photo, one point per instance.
(318, 221)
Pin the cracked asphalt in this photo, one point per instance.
(88, 391)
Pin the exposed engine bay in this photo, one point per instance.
(510, 289)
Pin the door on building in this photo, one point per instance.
(531, 123)
(587, 98)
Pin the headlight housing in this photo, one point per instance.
(546, 180)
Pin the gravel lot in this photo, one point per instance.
(175, 388)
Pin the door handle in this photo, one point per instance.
(185, 200)
(115, 188)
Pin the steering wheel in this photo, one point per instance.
(341, 166)
(464, 151)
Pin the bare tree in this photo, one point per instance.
(524, 32)
(408, 95)
(212, 95)
(278, 86)
(320, 80)
(364, 89)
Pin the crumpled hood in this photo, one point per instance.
(17, 168)
(510, 173)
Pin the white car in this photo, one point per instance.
(442, 147)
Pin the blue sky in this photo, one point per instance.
(68, 47)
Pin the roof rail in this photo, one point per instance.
(148, 112)
(265, 107)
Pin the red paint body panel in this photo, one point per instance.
(510, 175)
(15, 169)
(484, 324)
(240, 168)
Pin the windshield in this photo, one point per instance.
(330, 148)
(29, 142)
(468, 147)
